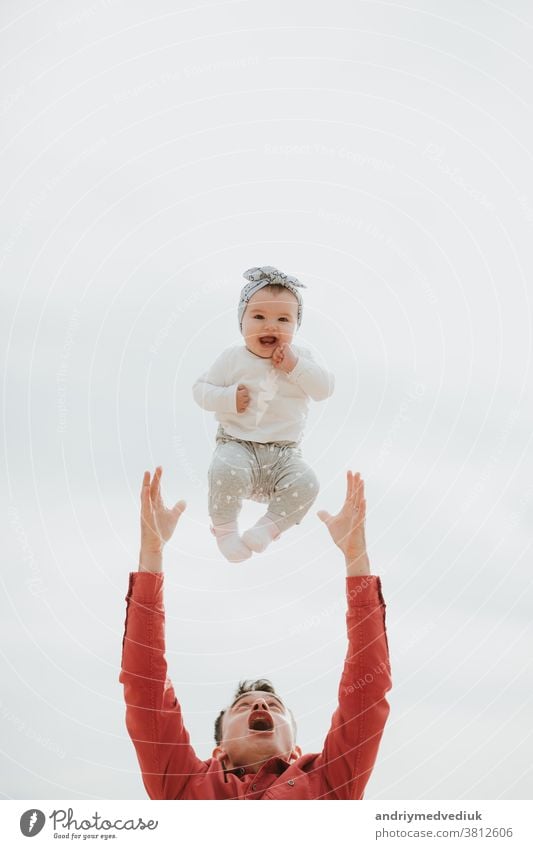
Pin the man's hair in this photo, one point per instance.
(247, 686)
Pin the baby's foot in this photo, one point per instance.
(230, 543)
(261, 534)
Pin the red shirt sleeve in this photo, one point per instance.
(153, 714)
(352, 743)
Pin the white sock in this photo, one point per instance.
(261, 534)
(229, 542)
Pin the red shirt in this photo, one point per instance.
(170, 767)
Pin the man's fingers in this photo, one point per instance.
(146, 495)
(155, 488)
(348, 484)
(356, 479)
(324, 516)
(146, 483)
(179, 507)
(359, 492)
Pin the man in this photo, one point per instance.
(256, 756)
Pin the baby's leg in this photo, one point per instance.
(230, 480)
(294, 490)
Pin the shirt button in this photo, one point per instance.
(254, 786)
(291, 782)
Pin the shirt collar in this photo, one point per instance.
(276, 765)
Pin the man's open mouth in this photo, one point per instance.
(260, 720)
(268, 340)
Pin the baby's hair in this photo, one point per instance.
(275, 287)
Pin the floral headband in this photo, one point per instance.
(265, 276)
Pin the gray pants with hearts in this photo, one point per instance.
(273, 473)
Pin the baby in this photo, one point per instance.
(260, 394)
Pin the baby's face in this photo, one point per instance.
(269, 320)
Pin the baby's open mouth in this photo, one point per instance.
(268, 340)
(260, 720)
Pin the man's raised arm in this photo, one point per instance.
(153, 714)
(351, 745)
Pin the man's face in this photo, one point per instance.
(256, 728)
(270, 319)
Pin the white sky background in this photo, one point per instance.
(151, 152)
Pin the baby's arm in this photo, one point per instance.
(301, 368)
(212, 392)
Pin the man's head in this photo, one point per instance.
(270, 309)
(254, 728)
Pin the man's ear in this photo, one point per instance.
(220, 755)
(295, 754)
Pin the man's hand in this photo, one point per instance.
(243, 398)
(157, 522)
(347, 528)
(284, 358)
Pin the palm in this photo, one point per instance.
(347, 527)
(158, 522)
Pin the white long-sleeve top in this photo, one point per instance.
(279, 402)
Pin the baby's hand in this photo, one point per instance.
(284, 358)
(243, 398)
